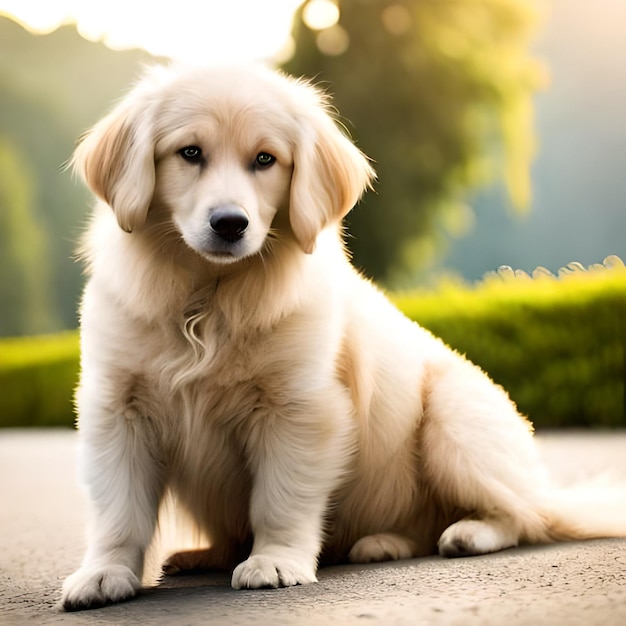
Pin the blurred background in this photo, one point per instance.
(496, 126)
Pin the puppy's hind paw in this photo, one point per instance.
(193, 561)
(90, 588)
(473, 537)
(382, 547)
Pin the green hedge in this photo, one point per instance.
(557, 346)
(37, 380)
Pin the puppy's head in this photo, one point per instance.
(229, 156)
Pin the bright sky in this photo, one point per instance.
(199, 30)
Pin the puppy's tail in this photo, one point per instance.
(587, 511)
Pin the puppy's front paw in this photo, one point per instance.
(267, 571)
(90, 588)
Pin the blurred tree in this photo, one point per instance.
(438, 93)
(34, 126)
(24, 285)
(52, 87)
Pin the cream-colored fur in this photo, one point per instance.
(290, 409)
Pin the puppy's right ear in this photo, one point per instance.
(116, 160)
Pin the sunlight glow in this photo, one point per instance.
(212, 30)
(320, 14)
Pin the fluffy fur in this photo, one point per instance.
(246, 367)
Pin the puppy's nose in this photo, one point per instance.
(229, 222)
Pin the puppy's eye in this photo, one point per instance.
(264, 160)
(191, 154)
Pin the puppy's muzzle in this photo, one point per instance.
(229, 222)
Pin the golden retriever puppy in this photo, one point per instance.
(233, 357)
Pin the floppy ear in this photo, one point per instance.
(116, 160)
(329, 176)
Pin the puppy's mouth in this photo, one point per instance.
(221, 252)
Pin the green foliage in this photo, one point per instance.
(37, 380)
(439, 95)
(23, 276)
(557, 346)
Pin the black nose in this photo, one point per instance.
(229, 222)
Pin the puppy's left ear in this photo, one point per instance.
(329, 176)
(116, 160)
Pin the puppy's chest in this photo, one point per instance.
(209, 375)
(205, 370)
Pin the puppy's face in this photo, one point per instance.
(223, 172)
(231, 158)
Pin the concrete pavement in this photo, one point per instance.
(42, 518)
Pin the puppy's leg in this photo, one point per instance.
(478, 456)
(125, 484)
(297, 461)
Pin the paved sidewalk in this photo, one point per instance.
(42, 519)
